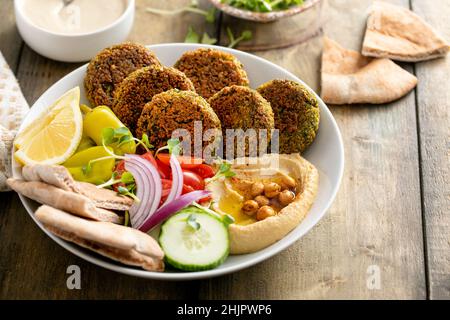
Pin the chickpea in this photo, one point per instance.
(265, 212)
(288, 182)
(250, 207)
(285, 197)
(271, 189)
(257, 189)
(262, 200)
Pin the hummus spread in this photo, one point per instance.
(247, 234)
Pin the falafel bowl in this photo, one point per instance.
(131, 199)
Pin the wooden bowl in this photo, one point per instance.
(263, 17)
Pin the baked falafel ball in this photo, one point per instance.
(111, 66)
(240, 107)
(140, 87)
(296, 112)
(211, 70)
(172, 110)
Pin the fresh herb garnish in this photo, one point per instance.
(228, 219)
(192, 222)
(263, 5)
(223, 172)
(145, 142)
(126, 178)
(194, 37)
(206, 39)
(124, 191)
(234, 41)
(210, 14)
(121, 136)
(173, 145)
(126, 219)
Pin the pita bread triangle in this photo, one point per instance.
(348, 77)
(397, 33)
(120, 243)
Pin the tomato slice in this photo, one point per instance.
(193, 180)
(187, 189)
(149, 156)
(120, 167)
(205, 199)
(166, 186)
(185, 162)
(204, 171)
(163, 169)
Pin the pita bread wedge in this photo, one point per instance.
(62, 199)
(60, 177)
(123, 244)
(398, 33)
(348, 77)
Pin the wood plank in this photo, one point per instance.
(32, 265)
(10, 41)
(376, 218)
(150, 28)
(434, 118)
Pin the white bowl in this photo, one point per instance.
(326, 153)
(77, 47)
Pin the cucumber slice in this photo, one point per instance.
(194, 240)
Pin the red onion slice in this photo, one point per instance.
(177, 180)
(176, 205)
(147, 178)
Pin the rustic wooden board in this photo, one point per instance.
(10, 45)
(433, 98)
(10, 41)
(376, 218)
(150, 28)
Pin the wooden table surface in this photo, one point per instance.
(390, 219)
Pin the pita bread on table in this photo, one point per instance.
(60, 177)
(124, 244)
(398, 33)
(348, 77)
(62, 199)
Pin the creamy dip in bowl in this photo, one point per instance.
(78, 17)
(73, 32)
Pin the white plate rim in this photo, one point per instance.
(177, 276)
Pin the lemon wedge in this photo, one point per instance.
(54, 135)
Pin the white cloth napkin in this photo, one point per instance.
(13, 108)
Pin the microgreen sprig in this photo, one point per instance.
(223, 172)
(194, 37)
(124, 191)
(263, 5)
(191, 220)
(173, 145)
(210, 15)
(226, 218)
(234, 41)
(126, 178)
(121, 136)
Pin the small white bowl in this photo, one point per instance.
(73, 48)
